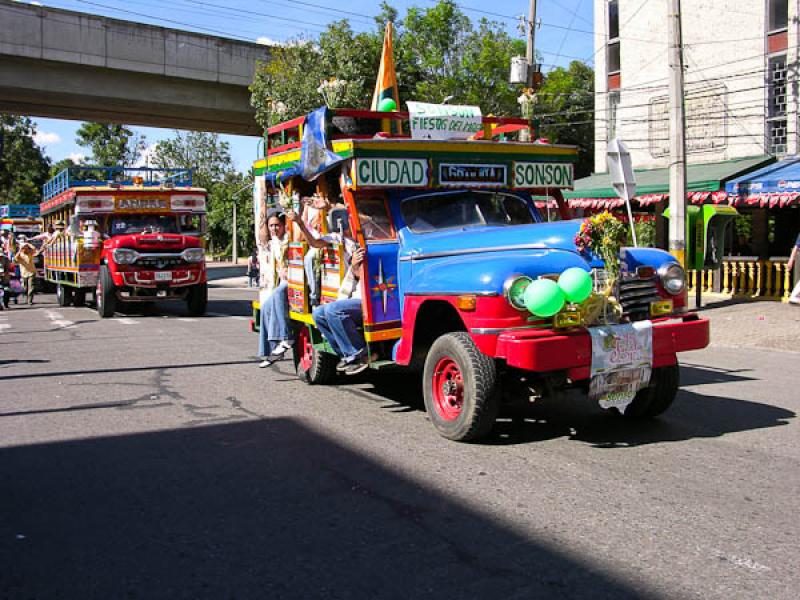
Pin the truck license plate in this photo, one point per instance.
(622, 360)
(163, 276)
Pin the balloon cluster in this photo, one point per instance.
(545, 297)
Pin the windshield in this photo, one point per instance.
(466, 208)
(143, 224)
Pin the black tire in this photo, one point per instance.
(79, 298)
(64, 295)
(105, 296)
(476, 388)
(197, 300)
(320, 367)
(657, 397)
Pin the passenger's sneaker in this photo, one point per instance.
(357, 366)
(282, 348)
(266, 362)
(342, 365)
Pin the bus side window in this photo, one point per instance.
(374, 218)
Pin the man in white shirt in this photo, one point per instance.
(338, 321)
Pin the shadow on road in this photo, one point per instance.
(257, 509)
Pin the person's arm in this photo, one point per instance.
(310, 239)
(792, 258)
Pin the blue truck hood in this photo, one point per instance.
(479, 260)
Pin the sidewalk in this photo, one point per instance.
(227, 274)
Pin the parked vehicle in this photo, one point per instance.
(456, 232)
(126, 235)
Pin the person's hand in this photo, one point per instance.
(358, 258)
(292, 216)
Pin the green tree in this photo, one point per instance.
(23, 165)
(204, 152)
(64, 163)
(111, 145)
(566, 109)
(234, 189)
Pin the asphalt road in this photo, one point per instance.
(146, 456)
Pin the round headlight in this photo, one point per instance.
(514, 290)
(673, 278)
(125, 256)
(194, 255)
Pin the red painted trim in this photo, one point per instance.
(614, 81)
(778, 42)
(284, 148)
(296, 122)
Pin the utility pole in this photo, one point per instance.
(235, 236)
(529, 52)
(677, 137)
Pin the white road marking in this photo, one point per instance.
(4, 326)
(237, 317)
(58, 319)
(126, 321)
(187, 320)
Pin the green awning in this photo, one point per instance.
(706, 177)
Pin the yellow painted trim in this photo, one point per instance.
(260, 163)
(256, 305)
(303, 318)
(282, 159)
(380, 336)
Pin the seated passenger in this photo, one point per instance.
(275, 333)
(339, 321)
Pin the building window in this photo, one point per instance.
(776, 105)
(778, 15)
(611, 112)
(613, 37)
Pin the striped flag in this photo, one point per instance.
(386, 85)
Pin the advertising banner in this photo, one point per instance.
(443, 121)
(622, 359)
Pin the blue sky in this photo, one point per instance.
(565, 33)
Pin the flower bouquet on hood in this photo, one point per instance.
(604, 235)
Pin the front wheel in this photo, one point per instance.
(460, 388)
(197, 300)
(313, 366)
(63, 295)
(105, 295)
(657, 397)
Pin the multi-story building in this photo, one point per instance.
(741, 96)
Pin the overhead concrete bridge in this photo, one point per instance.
(71, 65)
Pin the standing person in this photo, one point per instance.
(275, 333)
(5, 281)
(338, 321)
(794, 298)
(24, 258)
(252, 270)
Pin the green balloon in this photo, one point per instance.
(543, 297)
(387, 105)
(576, 284)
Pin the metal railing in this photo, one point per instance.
(747, 277)
(102, 176)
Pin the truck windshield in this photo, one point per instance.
(464, 208)
(143, 224)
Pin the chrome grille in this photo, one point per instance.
(635, 296)
(159, 261)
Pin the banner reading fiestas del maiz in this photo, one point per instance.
(540, 175)
(443, 121)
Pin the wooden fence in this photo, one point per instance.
(747, 277)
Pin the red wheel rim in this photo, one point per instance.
(307, 350)
(448, 389)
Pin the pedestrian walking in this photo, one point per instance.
(24, 258)
(794, 298)
(252, 270)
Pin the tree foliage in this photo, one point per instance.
(204, 152)
(566, 106)
(111, 145)
(23, 165)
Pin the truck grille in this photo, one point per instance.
(159, 262)
(635, 296)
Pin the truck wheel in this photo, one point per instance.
(105, 295)
(79, 298)
(197, 300)
(459, 385)
(63, 295)
(312, 366)
(658, 396)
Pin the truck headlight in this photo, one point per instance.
(514, 290)
(193, 255)
(673, 278)
(125, 256)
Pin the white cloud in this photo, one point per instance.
(266, 41)
(44, 138)
(77, 157)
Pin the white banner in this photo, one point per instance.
(622, 360)
(443, 121)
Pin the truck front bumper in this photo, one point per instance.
(571, 351)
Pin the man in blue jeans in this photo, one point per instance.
(338, 321)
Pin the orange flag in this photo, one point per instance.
(386, 85)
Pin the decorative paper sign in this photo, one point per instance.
(391, 172)
(478, 175)
(443, 121)
(540, 175)
(622, 359)
(141, 203)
